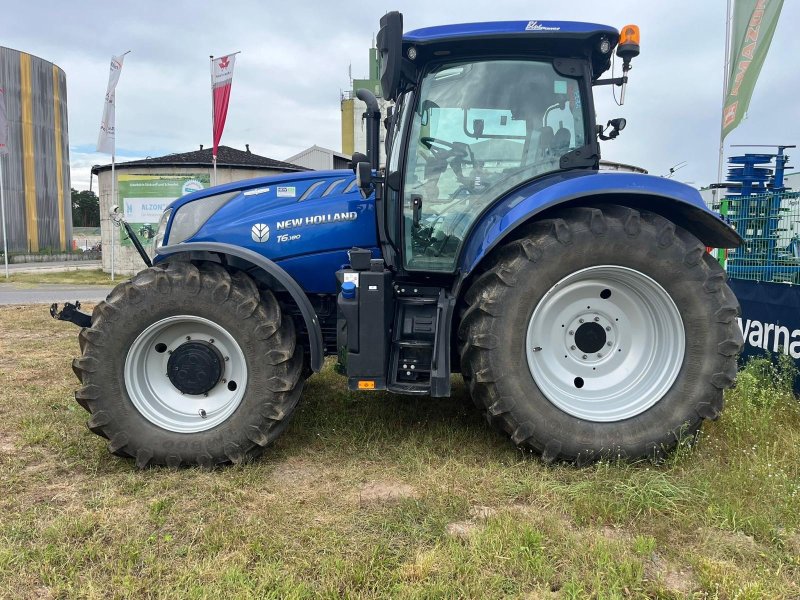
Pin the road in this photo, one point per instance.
(47, 293)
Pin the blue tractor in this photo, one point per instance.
(580, 307)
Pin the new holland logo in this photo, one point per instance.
(260, 232)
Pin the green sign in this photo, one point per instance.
(144, 198)
(754, 23)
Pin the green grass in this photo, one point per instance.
(82, 277)
(375, 496)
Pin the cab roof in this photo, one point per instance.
(550, 38)
(509, 30)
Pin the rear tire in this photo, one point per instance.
(676, 324)
(248, 345)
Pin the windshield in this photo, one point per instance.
(479, 129)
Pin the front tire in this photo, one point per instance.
(602, 332)
(189, 365)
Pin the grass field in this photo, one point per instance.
(373, 496)
(87, 277)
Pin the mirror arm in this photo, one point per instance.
(618, 81)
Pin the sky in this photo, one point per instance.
(294, 64)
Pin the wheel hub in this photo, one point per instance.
(195, 367)
(590, 337)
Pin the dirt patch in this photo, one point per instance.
(793, 544)
(297, 472)
(732, 539)
(461, 529)
(482, 513)
(384, 492)
(677, 579)
(615, 533)
(478, 515)
(42, 593)
(8, 443)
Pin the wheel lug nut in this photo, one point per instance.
(188, 337)
(572, 347)
(597, 318)
(584, 357)
(608, 343)
(211, 341)
(227, 358)
(599, 355)
(580, 320)
(572, 332)
(608, 328)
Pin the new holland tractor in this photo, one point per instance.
(580, 307)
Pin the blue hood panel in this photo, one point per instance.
(285, 218)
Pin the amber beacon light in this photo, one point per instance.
(628, 46)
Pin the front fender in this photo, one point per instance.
(676, 201)
(317, 348)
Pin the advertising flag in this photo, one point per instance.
(3, 124)
(753, 26)
(221, 79)
(106, 141)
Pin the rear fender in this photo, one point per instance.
(675, 201)
(198, 249)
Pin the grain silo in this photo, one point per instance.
(36, 170)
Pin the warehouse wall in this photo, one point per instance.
(36, 177)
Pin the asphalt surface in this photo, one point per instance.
(47, 293)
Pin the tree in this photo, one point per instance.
(85, 209)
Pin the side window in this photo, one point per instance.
(479, 129)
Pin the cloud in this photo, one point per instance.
(295, 59)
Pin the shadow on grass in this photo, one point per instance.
(330, 418)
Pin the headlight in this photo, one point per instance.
(192, 216)
(158, 241)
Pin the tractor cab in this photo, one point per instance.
(480, 109)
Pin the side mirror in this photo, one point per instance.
(390, 48)
(357, 158)
(364, 178)
(616, 126)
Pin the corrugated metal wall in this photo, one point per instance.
(36, 170)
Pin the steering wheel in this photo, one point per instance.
(431, 142)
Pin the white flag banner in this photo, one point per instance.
(3, 124)
(106, 141)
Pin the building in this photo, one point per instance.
(36, 182)
(318, 158)
(145, 187)
(354, 128)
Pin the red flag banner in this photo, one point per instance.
(221, 79)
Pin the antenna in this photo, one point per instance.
(676, 167)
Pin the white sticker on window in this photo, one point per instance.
(559, 87)
(286, 192)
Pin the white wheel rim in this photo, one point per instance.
(154, 395)
(605, 343)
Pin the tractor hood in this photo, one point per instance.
(306, 222)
